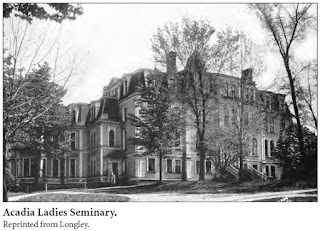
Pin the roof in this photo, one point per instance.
(108, 106)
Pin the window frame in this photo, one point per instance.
(153, 161)
(254, 147)
(73, 140)
(169, 170)
(111, 136)
(177, 166)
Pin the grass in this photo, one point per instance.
(61, 197)
(195, 187)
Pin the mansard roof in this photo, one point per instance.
(108, 110)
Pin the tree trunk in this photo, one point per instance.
(184, 157)
(295, 106)
(160, 167)
(5, 192)
(240, 160)
(62, 167)
(202, 159)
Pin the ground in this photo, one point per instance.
(178, 191)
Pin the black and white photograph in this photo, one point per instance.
(158, 102)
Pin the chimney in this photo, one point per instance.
(171, 62)
(246, 75)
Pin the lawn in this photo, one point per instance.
(63, 197)
(195, 187)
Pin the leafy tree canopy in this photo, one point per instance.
(287, 150)
(52, 11)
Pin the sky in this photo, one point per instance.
(109, 40)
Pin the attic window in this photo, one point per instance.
(125, 83)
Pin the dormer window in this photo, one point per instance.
(125, 83)
(233, 91)
(118, 92)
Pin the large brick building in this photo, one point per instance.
(101, 132)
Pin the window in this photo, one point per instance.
(267, 124)
(254, 147)
(72, 167)
(55, 168)
(208, 166)
(271, 125)
(197, 166)
(177, 139)
(73, 140)
(26, 167)
(94, 167)
(151, 165)
(226, 89)
(94, 139)
(118, 92)
(111, 138)
(246, 93)
(169, 166)
(73, 116)
(273, 171)
(44, 167)
(177, 167)
(266, 147)
(125, 87)
(267, 171)
(233, 91)
(270, 103)
(124, 114)
(272, 147)
(226, 118)
(251, 94)
(124, 140)
(29, 167)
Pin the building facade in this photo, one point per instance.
(101, 133)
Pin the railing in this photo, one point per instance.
(233, 170)
(256, 171)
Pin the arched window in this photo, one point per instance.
(266, 148)
(271, 147)
(254, 146)
(111, 138)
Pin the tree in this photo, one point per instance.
(243, 117)
(307, 91)
(287, 24)
(305, 83)
(196, 53)
(288, 152)
(53, 11)
(158, 119)
(30, 90)
(32, 111)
